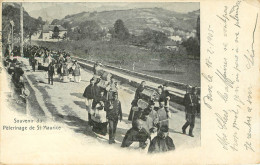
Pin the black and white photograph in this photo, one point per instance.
(129, 82)
(120, 82)
(123, 74)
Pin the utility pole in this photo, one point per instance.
(21, 27)
(12, 44)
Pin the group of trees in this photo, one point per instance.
(11, 12)
(119, 31)
(85, 30)
(150, 39)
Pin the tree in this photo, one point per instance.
(173, 57)
(56, 32)
(153, 38)
(120, 31)
(198, 28)
(40, 19)
(192, 46)
(91, 30)
(12, 12)
(54, 22)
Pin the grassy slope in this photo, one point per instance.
(188, 70)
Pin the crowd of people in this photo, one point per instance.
(149, 113)
(57, 63)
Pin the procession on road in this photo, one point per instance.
(150, 109)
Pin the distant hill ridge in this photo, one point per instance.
(138, 19)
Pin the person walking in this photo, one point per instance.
(137, 96)
(50, 73)
(136, 134)
(114, 113)
(190, 102)
(89, 95)
(96, 93)
(76, 72)
(65, 73)
(139, 90)
(162, 142)
(33, 62)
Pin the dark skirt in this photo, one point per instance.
(99, 128)
(130, 117)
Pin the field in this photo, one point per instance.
(186, 70)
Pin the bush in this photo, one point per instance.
(192, 46)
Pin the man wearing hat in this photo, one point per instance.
(136, 134)
(190, 102)
(162, 142)
(114, 113)
(139, 90)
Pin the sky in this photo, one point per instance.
(55, 10)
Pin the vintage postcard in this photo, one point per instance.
(136, 82)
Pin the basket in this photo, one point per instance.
(142, 104)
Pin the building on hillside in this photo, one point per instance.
(175, 38)
(48, 32)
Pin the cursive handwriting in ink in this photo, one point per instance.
(224, 19)
(249, 97)
(208, 98)
(251, 55)
(248, 146)
(222, 120)
(248, 123)
(234, 145)
(235, 119)
(234, 13)
(223, 76)
(223, 141)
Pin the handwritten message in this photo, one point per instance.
(229, 60)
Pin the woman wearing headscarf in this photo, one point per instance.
(76, 72)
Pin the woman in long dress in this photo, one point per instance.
(76, 72)
(99, 117)
(65, 73)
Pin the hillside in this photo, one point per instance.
(138, 19)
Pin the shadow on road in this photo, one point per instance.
(173, 131)
(77, 124)
(81, 104)
(78, 95)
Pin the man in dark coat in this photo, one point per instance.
(114, 113)
(134, 104)
(139, 90)
(89, 95)
(136, 134)
(50, 73)
(96, 93)
(17, 73)
(164, 96)
(12, 66)
(162, 142)
(33, 62)
(190, 102)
